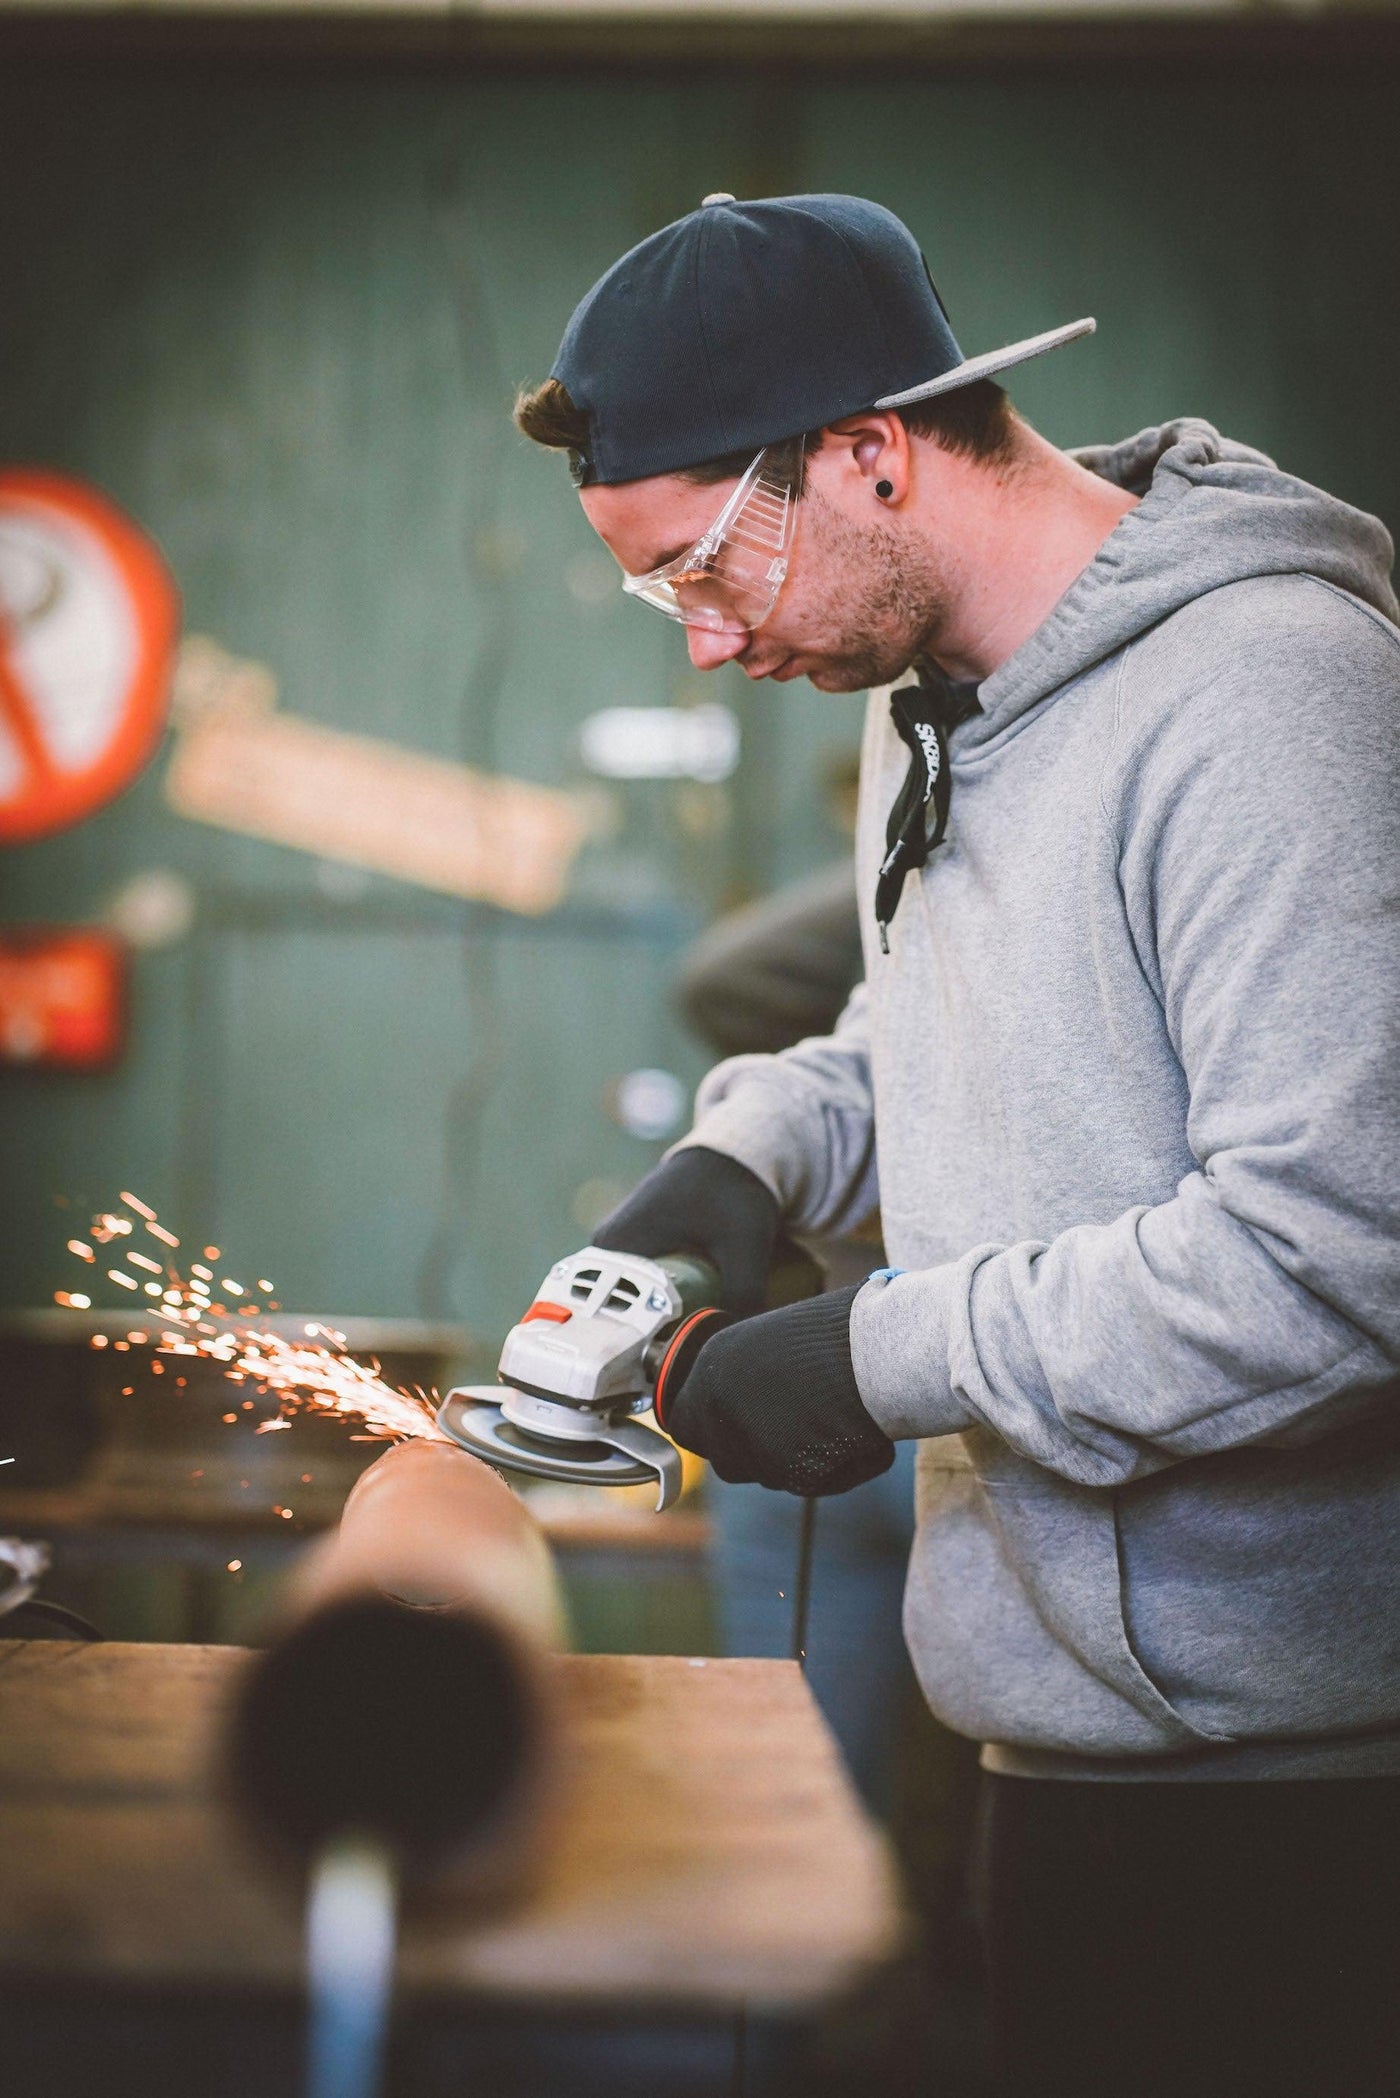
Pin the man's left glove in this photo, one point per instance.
(773, 1399)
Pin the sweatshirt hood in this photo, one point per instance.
(1212, 512)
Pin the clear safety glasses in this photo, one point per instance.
(730, 579)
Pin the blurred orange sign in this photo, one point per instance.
(62, 998)
(88, 619)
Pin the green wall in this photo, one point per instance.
(280, 316)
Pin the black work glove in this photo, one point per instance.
(773, 1399)
(699, 1201)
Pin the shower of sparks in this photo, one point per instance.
(312, 1374)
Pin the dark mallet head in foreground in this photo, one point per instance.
(742, 324)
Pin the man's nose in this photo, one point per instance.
(709, 649)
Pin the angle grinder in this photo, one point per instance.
(607, 1338)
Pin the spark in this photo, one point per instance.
(75, 1245)
(313, 1373)
(73, 1299)
(319, 1379)
(235, 1566)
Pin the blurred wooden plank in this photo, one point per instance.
(709, 1850)
(364, 802)
(80, 1723)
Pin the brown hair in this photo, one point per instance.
(976, 421)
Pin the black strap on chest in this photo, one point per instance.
(923, 715)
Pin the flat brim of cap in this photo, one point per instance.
(974, 368)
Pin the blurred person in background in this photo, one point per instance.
(1121, 1080)
(761, 979)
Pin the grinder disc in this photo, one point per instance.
(476, 1422)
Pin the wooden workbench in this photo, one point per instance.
(711, 1862)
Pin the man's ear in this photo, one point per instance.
(875, 448)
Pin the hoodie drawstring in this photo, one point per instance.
(923, 715)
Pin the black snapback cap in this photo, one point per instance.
(741, 324)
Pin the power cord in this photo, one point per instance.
(802, 1583)
(59, 1613)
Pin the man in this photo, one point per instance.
(1122, 1078)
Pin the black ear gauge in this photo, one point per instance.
(884, 489)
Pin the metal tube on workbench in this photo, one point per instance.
(406, 1694)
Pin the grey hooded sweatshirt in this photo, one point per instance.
(1126, 1092)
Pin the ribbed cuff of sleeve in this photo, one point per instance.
(901, 1334)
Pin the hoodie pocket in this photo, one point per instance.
(1262, 1588)
(1014, 1611)
(1062, 1541)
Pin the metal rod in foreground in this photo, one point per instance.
(351, 1928)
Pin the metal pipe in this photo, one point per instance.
(406, 1695)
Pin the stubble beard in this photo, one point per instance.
(888, 602)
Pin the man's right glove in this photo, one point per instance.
(774, 1400)
(700, 1201)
